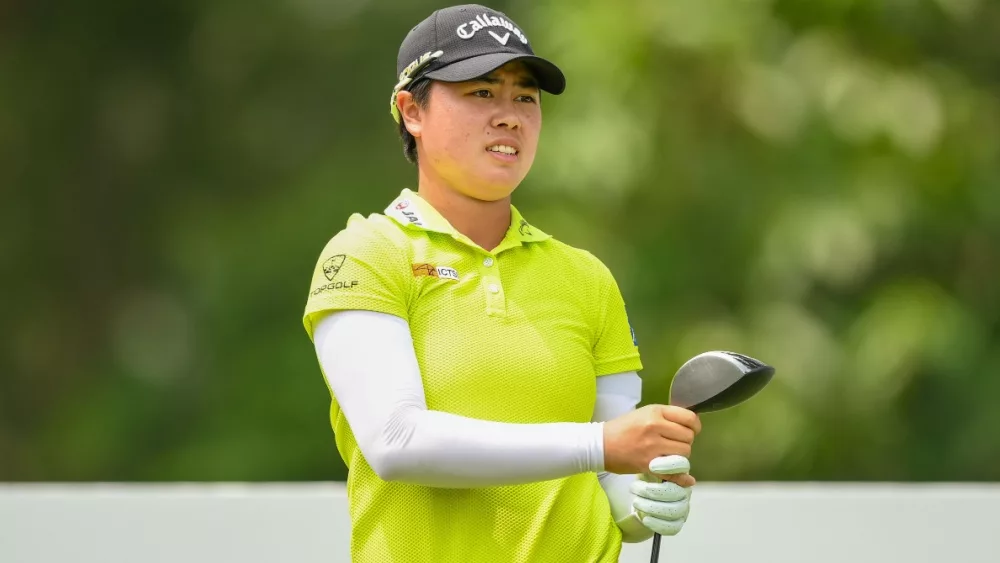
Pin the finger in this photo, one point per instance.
(664, 492)
(676, 432)
(662, 510)
(684, 480)
(673, 447)
(682, 416)
(663, 527)
(696, 425)
(670, 465)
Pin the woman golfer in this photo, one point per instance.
(484, 374)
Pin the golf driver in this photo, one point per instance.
(713, 381)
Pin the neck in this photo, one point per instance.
(484, 222)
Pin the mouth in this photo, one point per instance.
(506, 153)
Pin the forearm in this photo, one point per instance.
(620, 499)
(616, 395)
(440, 449)
(368, 360)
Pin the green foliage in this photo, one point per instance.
(814, 184)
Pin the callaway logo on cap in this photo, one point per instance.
(465, 42)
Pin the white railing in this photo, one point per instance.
(308, 523)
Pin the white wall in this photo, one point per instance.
(308, 523)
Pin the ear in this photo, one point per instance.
(410, 112)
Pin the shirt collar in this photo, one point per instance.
(413, 212)
(523, 231)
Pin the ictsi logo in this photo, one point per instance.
(435, 271)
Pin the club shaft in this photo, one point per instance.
(655, 557)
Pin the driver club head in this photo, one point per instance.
(717, 380)
(713, 381)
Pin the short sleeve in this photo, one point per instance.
(616, 350)
(361, 268)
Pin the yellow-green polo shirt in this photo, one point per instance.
(518, 334)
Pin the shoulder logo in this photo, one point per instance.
(435, 271)
(468, 30)
(332, 266)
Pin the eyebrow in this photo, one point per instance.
(524, 81)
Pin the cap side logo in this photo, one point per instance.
(468, 30)
(406, 77)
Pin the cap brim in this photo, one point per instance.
(550, 78)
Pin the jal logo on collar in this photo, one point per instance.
(468, 30)
(411, 215)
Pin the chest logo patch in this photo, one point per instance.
(435, 271)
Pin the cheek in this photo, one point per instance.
(455, 144)
(454, 134)
(533, 128)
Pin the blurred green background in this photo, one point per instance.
(813, 183)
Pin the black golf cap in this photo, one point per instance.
(465, 42)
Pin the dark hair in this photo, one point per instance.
(421, 90)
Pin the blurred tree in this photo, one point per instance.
(815, 185)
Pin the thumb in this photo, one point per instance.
(670, 465)
(673, 468)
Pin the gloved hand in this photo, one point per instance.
(662, 506)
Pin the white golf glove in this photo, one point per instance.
(662, 506)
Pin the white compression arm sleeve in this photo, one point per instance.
(369, 361)
(616, 395)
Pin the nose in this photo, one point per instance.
(506, 117)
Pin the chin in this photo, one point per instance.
(492, 187)
(499, 189)
(491, 193)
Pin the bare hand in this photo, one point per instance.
(632, 440)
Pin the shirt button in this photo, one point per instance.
(493, 288)
(488, 262)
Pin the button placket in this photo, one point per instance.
(496, 303)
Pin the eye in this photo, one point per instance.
(483, 94)
(526, 98)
